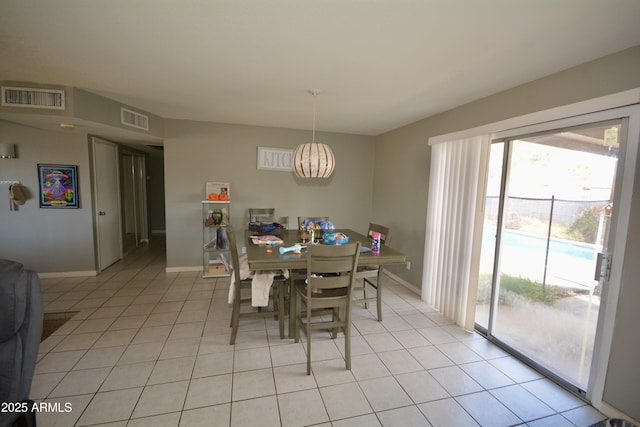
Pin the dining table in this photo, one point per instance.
(268, 257)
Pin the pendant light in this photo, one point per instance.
(313, 160)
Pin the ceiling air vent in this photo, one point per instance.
(50, 99)
(133, 119)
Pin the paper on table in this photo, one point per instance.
(266, 240)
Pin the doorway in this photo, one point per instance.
(133, 174)
(549, 202)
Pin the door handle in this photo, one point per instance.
(603, 266)
(598, 273)
(101, 213)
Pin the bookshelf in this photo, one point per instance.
(215, 244)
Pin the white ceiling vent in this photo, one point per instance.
(133, 119)
(49, 99)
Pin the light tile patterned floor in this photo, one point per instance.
(149, 348)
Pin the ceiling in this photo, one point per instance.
(379, 64)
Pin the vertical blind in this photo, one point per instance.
(454, 227)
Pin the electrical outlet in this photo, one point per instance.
(408, 265)
(243, 250)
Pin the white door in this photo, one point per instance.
(107, 196)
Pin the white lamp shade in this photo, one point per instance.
(313, 161)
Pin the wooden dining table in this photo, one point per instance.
(268, 257)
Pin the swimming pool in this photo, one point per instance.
(514, 239)
(568, 263)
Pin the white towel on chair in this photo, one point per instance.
(232, 288)
(260, 287)
(260, 283)
(244, 274)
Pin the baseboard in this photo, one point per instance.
(54, 275)
(612, 412)
(182, 269)
(403, 282)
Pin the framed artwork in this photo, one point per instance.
(58, 186)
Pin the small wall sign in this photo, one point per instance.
(276, 159)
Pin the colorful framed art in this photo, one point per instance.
(58, 186)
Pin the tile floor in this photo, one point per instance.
(149, 348)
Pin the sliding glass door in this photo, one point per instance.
(548, 206)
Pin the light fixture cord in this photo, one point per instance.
(313, 137)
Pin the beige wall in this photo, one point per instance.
(197, 152)
(45, 240)
(402, 155)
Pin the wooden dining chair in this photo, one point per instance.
(328, 286)
(259, 214)
(367, 273)
(242, 302)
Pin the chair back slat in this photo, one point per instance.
(332, 282)
(338, 265)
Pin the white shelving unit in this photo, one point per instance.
(215, 244)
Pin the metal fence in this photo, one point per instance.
(564, 211)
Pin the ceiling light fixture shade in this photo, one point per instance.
(313, 160)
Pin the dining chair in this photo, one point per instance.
(328, 286)
(301, 220)
(242, 286)
(367, 273)
(259, 214)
